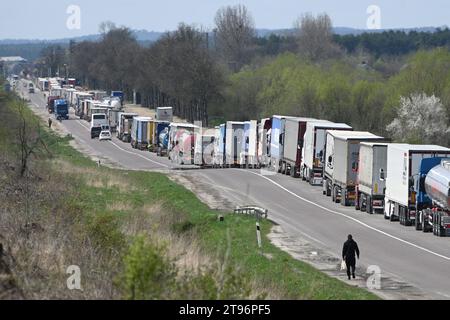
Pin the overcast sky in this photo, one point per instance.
(47, 19)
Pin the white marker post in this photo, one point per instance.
(258, 235)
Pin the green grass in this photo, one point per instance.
(296, 279)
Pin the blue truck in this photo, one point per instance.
(433, 196)
(118, 94)
(161, 140)
(61, 109)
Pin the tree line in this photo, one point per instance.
(231, 74)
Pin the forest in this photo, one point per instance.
(372, 81)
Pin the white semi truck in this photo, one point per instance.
(404, 185)
(371, 184)
(314, 148)
(234, 144)
(341, 164)
(293, 142)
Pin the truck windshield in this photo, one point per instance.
(99, 117)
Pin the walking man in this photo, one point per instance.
(349, 251)
(49, 123)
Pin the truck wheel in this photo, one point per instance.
(358, 203)
(425, 228)
(336, 200)
(344, 198)
(417, 223)
(392, 218)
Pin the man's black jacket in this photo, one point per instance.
(349, 250)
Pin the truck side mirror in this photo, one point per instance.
(411, 182)
(422, 183)
(382, 175)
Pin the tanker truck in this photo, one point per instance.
(407, 165)
(163, 142)
(434, 197)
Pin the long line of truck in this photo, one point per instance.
(404, 182)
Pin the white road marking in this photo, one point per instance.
(351, 218)
(130, 152)
(139, 155)
(279, 217)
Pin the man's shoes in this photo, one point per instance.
(353, 276)
(348, 277)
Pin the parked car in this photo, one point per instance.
(105, 135)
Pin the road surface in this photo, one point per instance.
(418, 259)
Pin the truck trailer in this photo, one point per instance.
(341, 164)
(182, 142)
(371, 183)
(251, 143)
(204, 148)
(277, 142)
(125, 121)
(161, 138)
(264, 134)
(435, 215)
(140, 132)
(293, 142)
(164, 114)
(219, 146)
(405, 195)
(234, 143)
(79, 106)
(313, 150)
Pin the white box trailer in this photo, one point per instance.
(403, 179)
(125, 121)
(276, 141)
(205, 147)
(264, 132)
(341, 163)
(251, 143)
(182, 142)
(80, 97)
(371, 184)
(293, 135)
(313, 152)
(234, 143)
(219, 146)
(164, 114)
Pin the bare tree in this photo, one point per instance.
(315, 37)
(235, 33)
(29, 140)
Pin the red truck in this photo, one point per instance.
(51, 103)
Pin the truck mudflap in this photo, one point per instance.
(316, 179)
(441, 224)
(378, 205)
(407, 217)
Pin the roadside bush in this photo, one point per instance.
(148, 274)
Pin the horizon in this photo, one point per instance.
(261, 29)
(162, 17)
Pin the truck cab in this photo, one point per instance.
(98, 122)
(61, 109)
